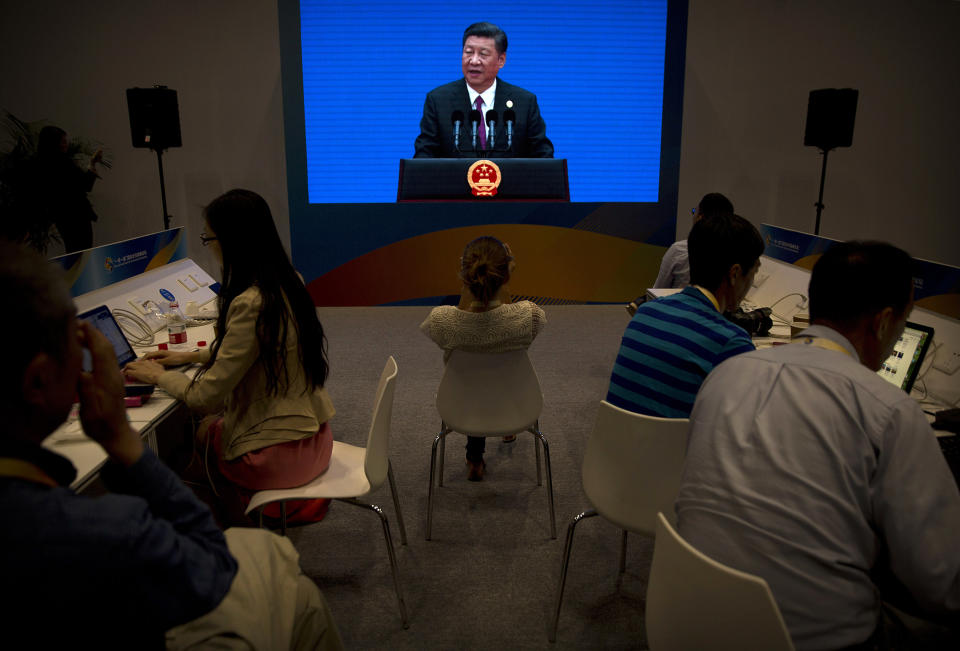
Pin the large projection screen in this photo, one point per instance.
(607, 76)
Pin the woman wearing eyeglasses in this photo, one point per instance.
(263, 376)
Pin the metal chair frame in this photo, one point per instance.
(515, 407)
(360, 472)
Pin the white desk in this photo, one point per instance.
(86, 455)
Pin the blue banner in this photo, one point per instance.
(104, 265)
(792, 247)
(936, 286)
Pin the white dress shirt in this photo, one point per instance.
(674, 268)
(807, 469)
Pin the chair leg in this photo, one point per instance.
(536, 447)
(568, 546)
(546, 464)
(390, 552)
(623, 553)
(396, 503)
(443, 455)
(433, 467)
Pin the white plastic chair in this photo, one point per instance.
(631, 470)
(355, 472)
(489, 394)
(694, 602)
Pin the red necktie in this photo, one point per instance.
(482, 130)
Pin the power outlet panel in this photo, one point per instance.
(188, 283)
(947, 360)
(141, 294)
(147, 310)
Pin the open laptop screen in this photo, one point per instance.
(903, 366)
(101, 319)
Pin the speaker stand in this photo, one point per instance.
(163, 192)
(819, 204)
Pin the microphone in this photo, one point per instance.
(475, 119)
(509, 117)
(491, 128)
(457, 119)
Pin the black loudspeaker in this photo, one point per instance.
(154, 117)
(830, 116)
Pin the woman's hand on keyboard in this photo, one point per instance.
(143, 370)
(173, 357)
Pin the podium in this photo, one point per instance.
(446, 179)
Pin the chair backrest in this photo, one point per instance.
(631, 469)
(376, 459)
(694, 602)
(489, 394)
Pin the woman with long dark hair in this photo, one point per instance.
(267, 366)
(485, 320)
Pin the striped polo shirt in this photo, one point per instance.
(667, 350)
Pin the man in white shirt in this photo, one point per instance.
(675, 265)
(806, 468)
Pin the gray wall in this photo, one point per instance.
(750, 66)
(70, 63)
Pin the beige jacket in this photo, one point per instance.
(237, 386)
(271, 603)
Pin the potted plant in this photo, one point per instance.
(23, 213)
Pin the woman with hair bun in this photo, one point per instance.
(485, 321)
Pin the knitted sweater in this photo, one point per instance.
(512, 326)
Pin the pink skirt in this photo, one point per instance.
(283, 465)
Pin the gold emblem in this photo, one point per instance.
(484, 178)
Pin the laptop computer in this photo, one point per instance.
(102, 319)
(903, 365)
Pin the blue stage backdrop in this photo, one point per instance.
(608, 76)
(597, 69)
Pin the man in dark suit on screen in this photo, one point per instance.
(484, 53)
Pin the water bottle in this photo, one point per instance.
(176, 328)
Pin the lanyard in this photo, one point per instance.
(821, 342)
(709, 295)
(10, 467)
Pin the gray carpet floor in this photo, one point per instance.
(488, 578)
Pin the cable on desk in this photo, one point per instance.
(195, 321)
(782, 318)
(803, 301)
(930, 358)
(142, 335)
(922, 384)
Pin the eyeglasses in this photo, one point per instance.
(206, 239)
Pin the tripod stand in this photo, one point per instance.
(830, 116)
(163, 191)
(819, 204)
(155, 125)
